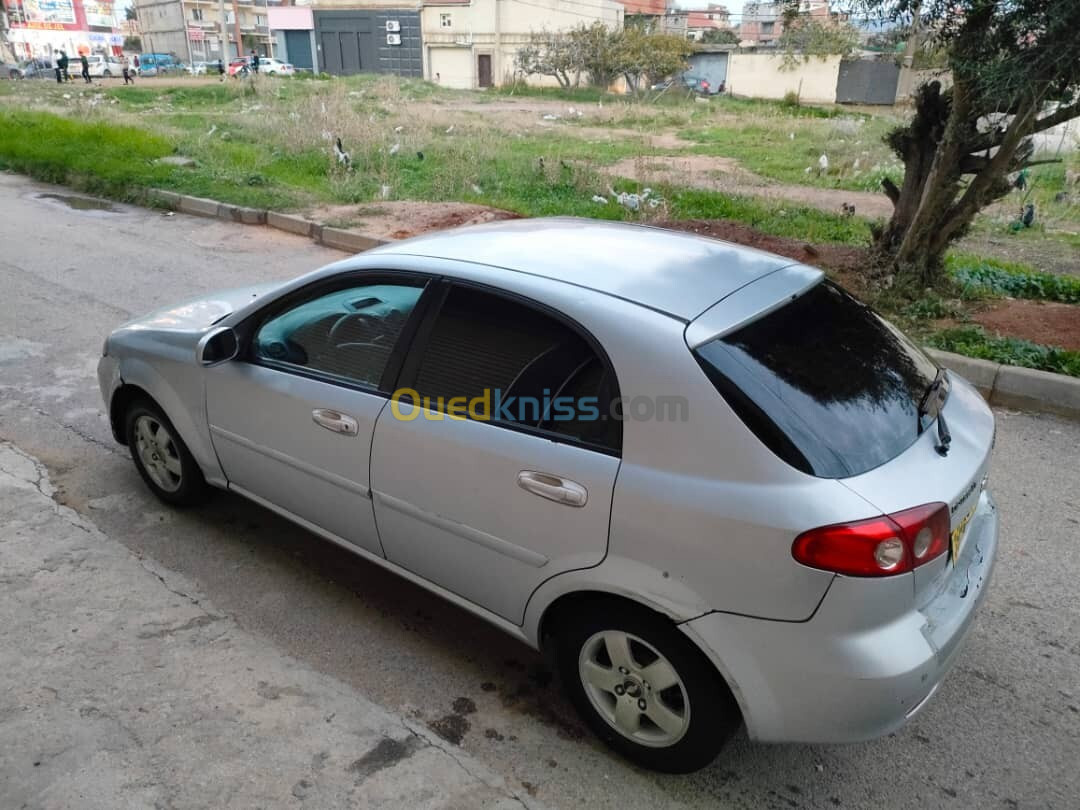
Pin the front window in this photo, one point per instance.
(346, 335)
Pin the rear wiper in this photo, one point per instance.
(935, 398)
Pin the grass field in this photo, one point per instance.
(533, 152)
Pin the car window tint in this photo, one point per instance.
(824, 382)
(347, 334)
(542, 373)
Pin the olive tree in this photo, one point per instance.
(1015, 67)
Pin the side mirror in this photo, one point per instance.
(217, 346)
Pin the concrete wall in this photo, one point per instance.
(764, 75)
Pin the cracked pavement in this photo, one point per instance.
(1003, 730)
(119, 687)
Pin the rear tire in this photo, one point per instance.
(161, 457)
(678, 722)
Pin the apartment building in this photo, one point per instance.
(191, 29)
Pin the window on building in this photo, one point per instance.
(260, 20)
(446, 21)
(197, 14)
(767, 27)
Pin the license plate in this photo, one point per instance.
(957, 534)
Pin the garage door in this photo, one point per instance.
(454, 66)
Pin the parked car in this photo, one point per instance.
(712, 484)
(275, 67)
(10, 70)
(239, 65)
(696, 84)
(36, 69)
(105, 66)
(155, 64)
(200, 68)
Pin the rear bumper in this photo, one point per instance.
(852, 672)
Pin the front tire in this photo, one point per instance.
(644, 688)
(162, 458)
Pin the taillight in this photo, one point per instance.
(877, 547)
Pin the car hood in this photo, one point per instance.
(202, 312)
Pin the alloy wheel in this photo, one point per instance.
(634, 688)
(158, 454)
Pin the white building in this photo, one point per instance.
(473, 44)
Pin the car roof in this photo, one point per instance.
(676, 273)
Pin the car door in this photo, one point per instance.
(488, 501)
(291, 419)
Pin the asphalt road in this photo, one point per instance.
(1003, 731)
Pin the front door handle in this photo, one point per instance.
(335, 421)
(552, 487)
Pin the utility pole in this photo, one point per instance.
(496, 60)
(223, 37)
(913, 36)
(236, 22)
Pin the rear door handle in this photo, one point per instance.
(553, 487)
(335, 421)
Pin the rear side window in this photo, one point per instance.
(824, 382)
(533, 370)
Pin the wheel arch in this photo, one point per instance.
(611, 581)
(183, 402)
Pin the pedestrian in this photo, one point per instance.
(254, 61)
(62, 66)
(128, 78)
(221, 69)
(136, 62)
(85, 68)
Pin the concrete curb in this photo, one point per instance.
(337, 238)
(1016, 387)
(348, 241)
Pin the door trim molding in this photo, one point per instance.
(488, 541)
(295, 463)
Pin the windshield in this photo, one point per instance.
(824, 382)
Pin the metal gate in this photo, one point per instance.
(865, 81)
(372, 41)
(298, 49)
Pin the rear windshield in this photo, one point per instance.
(824, 382)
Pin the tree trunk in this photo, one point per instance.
(934, 206)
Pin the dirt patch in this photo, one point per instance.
(726, 175)
(401, 219)
(451, 728)
(1048, 254)
(1051, 324)
(844, 262)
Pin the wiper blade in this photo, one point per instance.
(931, 404)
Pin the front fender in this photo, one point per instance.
(178, 389)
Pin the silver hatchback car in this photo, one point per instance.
(714, 486)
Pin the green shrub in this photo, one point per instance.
(973, 341)
(1014, 280)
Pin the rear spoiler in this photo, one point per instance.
(752, 301)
